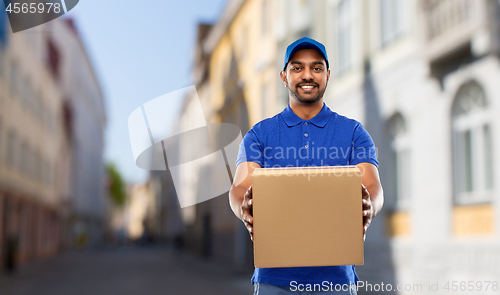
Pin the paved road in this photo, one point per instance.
(125, 271)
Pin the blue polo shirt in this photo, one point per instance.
(286, 140)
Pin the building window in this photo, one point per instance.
(264, 17)
(23, 157)
(2, 66)
(14, 78)
(30, 96)
(244, 41)
(45, 174)
(1, 141)
(37, 167)
(265, 98)
(12, 150)
(472, 145)
(30, 161)
(23, 91)
(53, 59)
(50, 175)
(400, 161)
(392, 17)
(344, 34)
(37, 105)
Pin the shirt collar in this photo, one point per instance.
(320, 120)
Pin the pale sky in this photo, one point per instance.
(140, 50)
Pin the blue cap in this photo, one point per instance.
(303, 43)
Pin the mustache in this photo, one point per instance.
(306, 82)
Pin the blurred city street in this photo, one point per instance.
(114, 179)
(126, 270)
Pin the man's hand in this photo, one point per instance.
(240, 195)
(372, 192)
(246, 211)
(368, 212)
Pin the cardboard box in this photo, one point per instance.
(307, 216)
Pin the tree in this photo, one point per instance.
(116, 185)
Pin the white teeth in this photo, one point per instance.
(307, 87)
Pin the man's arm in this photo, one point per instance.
(240, 195)
(373, 194)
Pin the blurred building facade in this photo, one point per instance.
(234, 76)
(170, 218)
(42, 115)
(84, 118)
(420, 75)
(30, 145)
(176, 222)
(142, 212)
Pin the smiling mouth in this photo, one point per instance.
(307, 87)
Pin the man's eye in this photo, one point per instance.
(318, 69)
(295, 68)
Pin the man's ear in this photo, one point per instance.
(283, 77)
(328, 76)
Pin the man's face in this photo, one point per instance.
(306, 76)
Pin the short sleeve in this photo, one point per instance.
(363, 148)
(250, 149)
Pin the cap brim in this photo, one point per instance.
(305, 45)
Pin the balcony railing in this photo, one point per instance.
(445, 15)
(456, 28)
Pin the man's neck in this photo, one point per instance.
(306, 111)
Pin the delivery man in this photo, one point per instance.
(299, 136)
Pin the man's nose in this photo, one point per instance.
(307, 74)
